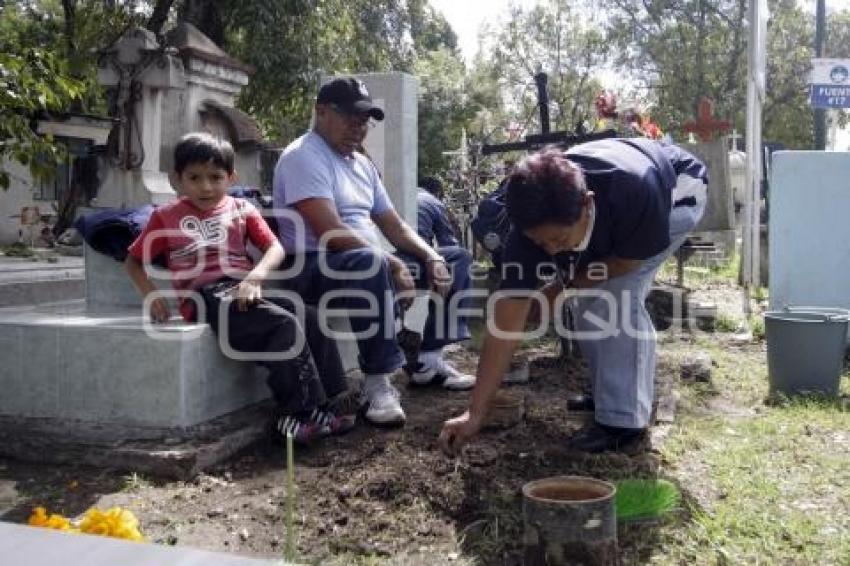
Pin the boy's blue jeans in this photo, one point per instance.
(358, 283)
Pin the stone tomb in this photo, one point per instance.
(88, 379)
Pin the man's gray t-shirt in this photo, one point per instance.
(310, 168)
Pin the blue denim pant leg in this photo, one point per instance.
(622, 357)
(362, 289)
(445, 325)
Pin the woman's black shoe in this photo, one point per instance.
(580, 403)
(596, 438)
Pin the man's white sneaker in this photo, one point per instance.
(383, 403)
(441, 373)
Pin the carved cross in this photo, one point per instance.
(706, 124)
(734, 137)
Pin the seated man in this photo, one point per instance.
(338, 209)
(434, 222)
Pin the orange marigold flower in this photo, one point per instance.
(40, 518)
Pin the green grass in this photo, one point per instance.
(726, 323)
(757, 327)
(781, 488)
(698, 274)
(639, 499)
(767, 485)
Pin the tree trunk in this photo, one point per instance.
(206, 16)
(159, 16)
(69, 9)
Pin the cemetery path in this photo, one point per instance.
(391, 495)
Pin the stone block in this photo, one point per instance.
(66, 363)
(20, 544)
(808, 229)
(107, 284)
(393, 143)
(720, 209)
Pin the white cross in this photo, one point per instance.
(734, 137)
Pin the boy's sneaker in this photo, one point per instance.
(440, 373)
(304, 430)
(334, 423)
(382, 403)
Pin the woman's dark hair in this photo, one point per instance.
(545, 188)
(200, 147)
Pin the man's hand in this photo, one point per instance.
(458, 431)
(159, 311)
(404, 283)
(247, 293)
(439, 277)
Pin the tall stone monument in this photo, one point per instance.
(393, 143)
(718, 222)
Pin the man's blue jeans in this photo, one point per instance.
(358, 283)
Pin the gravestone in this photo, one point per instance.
(808, 229)
(392, 143)
(718, 222)
(393, 147)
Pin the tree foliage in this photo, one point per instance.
(681, 50)
(33, 81)
(678, 52)
(292, 44)
(557, 38)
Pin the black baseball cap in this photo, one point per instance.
(350, 95)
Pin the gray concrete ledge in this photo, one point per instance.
(179, 453)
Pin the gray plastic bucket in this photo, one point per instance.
(821, 310)
(805, 350)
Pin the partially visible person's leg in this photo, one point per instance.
(444, 324)
(361, 282)
(365, 273)
(622, 362)
(267, 329)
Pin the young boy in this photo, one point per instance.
(203, 238)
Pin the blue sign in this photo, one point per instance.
(830, 83)
(830, 96)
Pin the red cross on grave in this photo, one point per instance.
(706, 124)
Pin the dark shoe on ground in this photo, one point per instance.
(349, 402)
(596, 438)
(409, 342)
(580, 403)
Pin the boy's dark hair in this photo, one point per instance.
(545, 188)
(201, 147)
(433, 185)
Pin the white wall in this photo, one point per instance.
(809, 234)
(18, 195)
